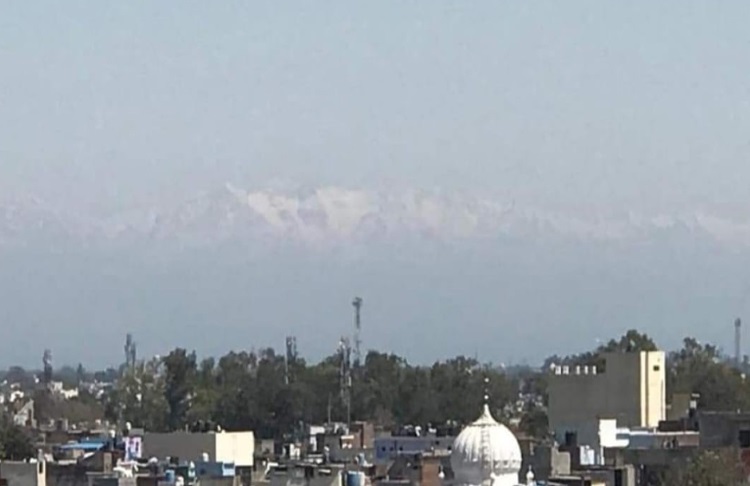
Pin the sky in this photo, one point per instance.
(626, 106)
(576, 102)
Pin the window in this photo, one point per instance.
(571, 439)
(657, 367)
(744, 438)
(618, 477)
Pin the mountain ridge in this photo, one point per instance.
(332, 215)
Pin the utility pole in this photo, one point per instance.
(345, 377)
(357, 303)
(289, 358)
(47, 362)
(130, 352)
(738, 342)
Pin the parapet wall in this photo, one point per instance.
(565, 370)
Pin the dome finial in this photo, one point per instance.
(530, 477)
(486, 399)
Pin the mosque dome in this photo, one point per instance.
(486, 452)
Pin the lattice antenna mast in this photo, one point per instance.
(130, 352)
(345, 376)
(289, 358)
(357, 303)
(738, 342)
(47, 363)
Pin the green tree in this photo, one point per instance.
(206, 394)
(236, 401)
(180, 371)
(245, 390)
(631, 341)
(700, 368)
(708, 468)
(382, 373)
(535, 422)
(139, 397)
(323, 379)
(15, 443)
(417, 400)
(460, 384)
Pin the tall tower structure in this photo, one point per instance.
(357, 303)
(47, 363)
(738, 342)
(289, 358)
(345, 376)
(130, 352)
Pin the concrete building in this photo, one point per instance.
(389, 448)
(631, 389)
(548, 461)
(23, 414)
(307, 475)
(419, 470)
(23, 473)
(724, 429)
(232, 447)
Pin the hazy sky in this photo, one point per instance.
(619, 102)
(631, 105)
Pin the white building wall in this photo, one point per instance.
(236, 447)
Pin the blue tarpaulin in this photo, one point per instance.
(88, 446)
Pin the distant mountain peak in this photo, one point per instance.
(339, 215)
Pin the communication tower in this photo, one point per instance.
(357, 303)
(289, 358)
(130, 352)
(47, 363)
(738, 342)
(345, 376)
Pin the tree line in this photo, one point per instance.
(262, 392)
(265, 393)
(274, 397)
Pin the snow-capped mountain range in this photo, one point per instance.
(322, 215)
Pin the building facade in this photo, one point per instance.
(631, 389)
(232, 447)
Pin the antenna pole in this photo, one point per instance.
(737, 342)
(130, 352)
(345, 376)
(289, 358)
(328, 409)
(47, 361)
(357, 303)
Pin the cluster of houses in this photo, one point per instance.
(609, 426)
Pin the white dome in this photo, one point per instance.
(486, 452)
